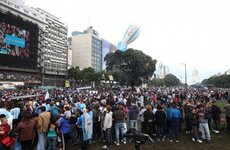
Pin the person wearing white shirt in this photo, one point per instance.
(15, 111)
(141, 113)
(107, 125)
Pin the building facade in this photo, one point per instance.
(106, 48)
(86, 49)
(70, 57)
(49, 54)
(54, 53)
(89, 50)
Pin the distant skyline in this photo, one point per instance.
(195, 32)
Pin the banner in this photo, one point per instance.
(67, 84)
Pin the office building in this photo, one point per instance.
(86, 49)
(89, 50)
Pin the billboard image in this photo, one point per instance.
(14, 40)
(18, 42)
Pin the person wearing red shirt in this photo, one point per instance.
(4, 130)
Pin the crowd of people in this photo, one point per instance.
(41, 120)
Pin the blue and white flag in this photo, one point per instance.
(47, 95)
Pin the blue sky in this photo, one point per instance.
(195, 32)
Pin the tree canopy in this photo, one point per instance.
(218, 81)
(130, 67)
(168, 80)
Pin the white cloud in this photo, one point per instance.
(195, 32)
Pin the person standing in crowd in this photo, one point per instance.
(175, 116)
(142, 110)
(79, 126)
(133, 113)
(97, 116)
(107, 127)
(42, 127)
(52, 135)
(160, 120)
(119, 120)
(193, 120)
(208, 114)
(227, 114)
(15, 111)
(187, 111)
(65, 130)
(168, 121)
(4, 130)
(216, 112)
(26, 130)
(8, 115)
(54, 110)
(86, 123)
(148, 120)
(203, 124)
(73, 129)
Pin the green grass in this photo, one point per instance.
(219, 142)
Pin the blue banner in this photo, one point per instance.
(13, 40)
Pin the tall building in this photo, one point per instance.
(106, 48)
(70, 57)
(227, 72)
(162, 71)
(38, 52)
(55, 52)
(86, 49)
(195, 76)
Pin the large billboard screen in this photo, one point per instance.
(18, 42)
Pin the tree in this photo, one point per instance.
(218, 81)
(89, 75)
(171, 80)
(132, 66)
(157, 82)
(75, 75)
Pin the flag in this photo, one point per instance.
(47, 95)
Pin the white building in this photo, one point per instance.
(195, 76)
(70, 57)
(227, 72)
(161, 71)
(86, 49)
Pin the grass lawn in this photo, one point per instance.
(219, 142)
(221, 105)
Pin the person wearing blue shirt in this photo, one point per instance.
(65, 130)
(174, 116)
(168, 121)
